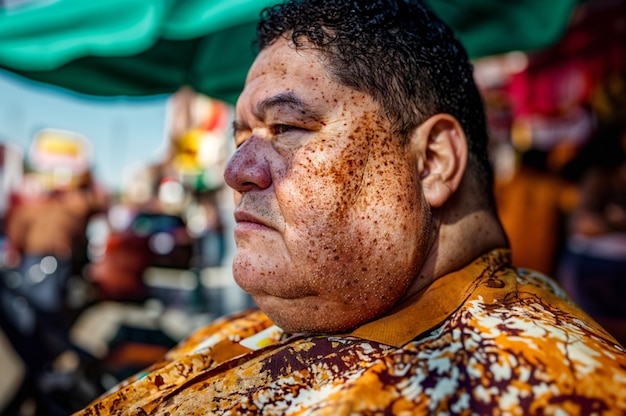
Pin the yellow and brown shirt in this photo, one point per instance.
(487, 339)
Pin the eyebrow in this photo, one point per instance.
(288, 100)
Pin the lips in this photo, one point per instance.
(245, 219)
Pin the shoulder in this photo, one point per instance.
(537, 317)
(532, 349)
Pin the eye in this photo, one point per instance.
(277, 129)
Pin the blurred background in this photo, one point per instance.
(115, 223)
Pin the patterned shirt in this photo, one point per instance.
(487, 339)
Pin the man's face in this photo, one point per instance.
(331, 222)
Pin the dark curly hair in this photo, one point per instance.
(397, 51)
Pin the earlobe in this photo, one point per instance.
(443, 157)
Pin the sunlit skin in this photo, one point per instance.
(331, 224)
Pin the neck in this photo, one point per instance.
(462, 232)
(458, 244)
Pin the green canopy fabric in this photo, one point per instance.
(147, 47)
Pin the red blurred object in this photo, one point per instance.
(151, 240)
(564, 76)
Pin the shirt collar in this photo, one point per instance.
(432, 306)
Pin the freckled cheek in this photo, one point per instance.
(309, 187)
(325, 183)
(391, 195)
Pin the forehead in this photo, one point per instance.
(283, 58)
(280, 69)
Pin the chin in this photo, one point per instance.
(308, 315)
(292, 326)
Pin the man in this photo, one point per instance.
(366, 234)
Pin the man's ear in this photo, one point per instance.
(441, 146)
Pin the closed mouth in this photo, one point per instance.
(242, 217)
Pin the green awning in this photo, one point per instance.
(147, 47)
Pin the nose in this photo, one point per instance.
(248, 168)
